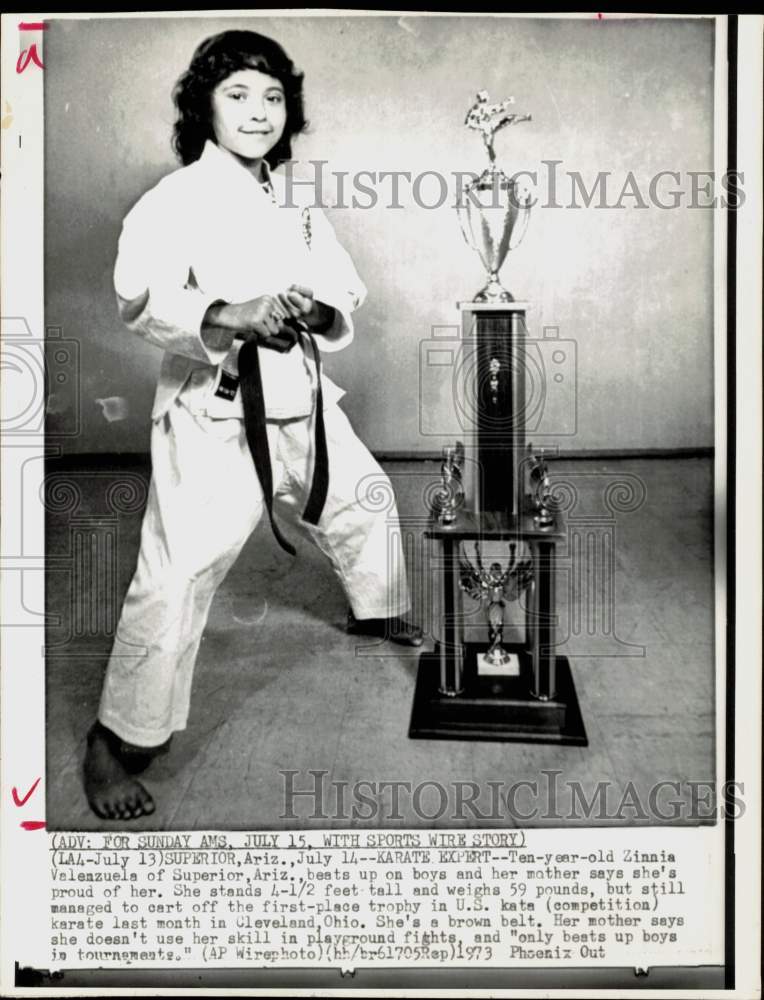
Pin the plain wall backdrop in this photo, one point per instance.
(632, 287)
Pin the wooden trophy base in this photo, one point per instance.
(499, 708)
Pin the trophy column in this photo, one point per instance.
(540, 620)
(493, 339)
(451, 645)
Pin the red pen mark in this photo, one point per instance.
(27, 824)
(29, 55)
(599, 17)
(20, 802)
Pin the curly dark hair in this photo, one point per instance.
(214, 61)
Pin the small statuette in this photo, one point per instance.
(488, 119)
(494, 587)
(494, 368)
(450, 496)
(541, 489)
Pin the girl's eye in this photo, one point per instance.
(275, 98)
(236, 95)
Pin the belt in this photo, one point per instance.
(253, 404)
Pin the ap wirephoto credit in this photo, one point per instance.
(379, 397)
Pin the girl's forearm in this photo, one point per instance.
(220, 326)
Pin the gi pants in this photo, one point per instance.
(204, 501)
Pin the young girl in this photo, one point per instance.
(241, 282)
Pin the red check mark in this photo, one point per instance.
(20, 802)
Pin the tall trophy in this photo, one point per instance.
(495, 211)
(500, 506)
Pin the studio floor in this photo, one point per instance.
(284, 699)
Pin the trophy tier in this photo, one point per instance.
(495, 494)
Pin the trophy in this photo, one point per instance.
(495, 213)
(450, 495)
(468, 688)
(494, 587)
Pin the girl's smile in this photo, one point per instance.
(249, 114)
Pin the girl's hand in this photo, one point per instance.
(298, 301)
(303, 306)
(263, 319)
(272, 320)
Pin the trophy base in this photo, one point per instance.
(508, 666)
(500, 709)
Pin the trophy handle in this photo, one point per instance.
(462, 214)
(525, 212)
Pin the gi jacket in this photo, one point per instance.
(210, 231)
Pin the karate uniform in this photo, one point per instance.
(209, 232)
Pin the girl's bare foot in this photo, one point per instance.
(111, 791)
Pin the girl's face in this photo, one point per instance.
(248, 113)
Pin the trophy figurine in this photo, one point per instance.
(450, 495)
(494, 213)
(494, 587)
(541, 489)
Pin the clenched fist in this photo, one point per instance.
(264, 319)
(273, 321)
(301, 305)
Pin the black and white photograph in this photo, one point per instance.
(386, 486)
(244, 633)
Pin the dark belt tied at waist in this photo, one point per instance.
(253, 403)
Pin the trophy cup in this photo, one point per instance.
(495, 213)
(494, 587)
(450, 496)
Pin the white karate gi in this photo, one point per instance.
(206, 232)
